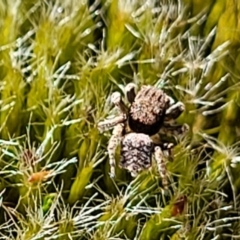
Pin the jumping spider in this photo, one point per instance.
(150, 112)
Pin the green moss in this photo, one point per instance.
(59, 63)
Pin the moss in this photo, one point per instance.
(59, 63)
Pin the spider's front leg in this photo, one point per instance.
(108, 124)
(170, 127)
(161, 166)
(116, 99)
(112, 146)
(174, 111)
(130, 91)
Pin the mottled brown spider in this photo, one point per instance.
(151, 111)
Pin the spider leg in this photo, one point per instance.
(108, 124)
(169, 148)
(169, 129)
(130, 91)
(174, 111)
(116, 99)
(112, 146)
(161, 165)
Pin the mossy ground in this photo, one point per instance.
(59, 63)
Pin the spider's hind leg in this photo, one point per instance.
(173, 129)
(168, 147)
(161, 166)
(112, 146)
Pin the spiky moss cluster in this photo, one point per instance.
(60, 61)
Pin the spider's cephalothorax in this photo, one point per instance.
(147, 111)
(150, 111)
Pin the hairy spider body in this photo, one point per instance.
(147, 111)
(136, 152)
(136, 155)
(150, 112)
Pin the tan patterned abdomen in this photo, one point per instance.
(136, 152)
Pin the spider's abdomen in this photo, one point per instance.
(136, 152)
(147, 111)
